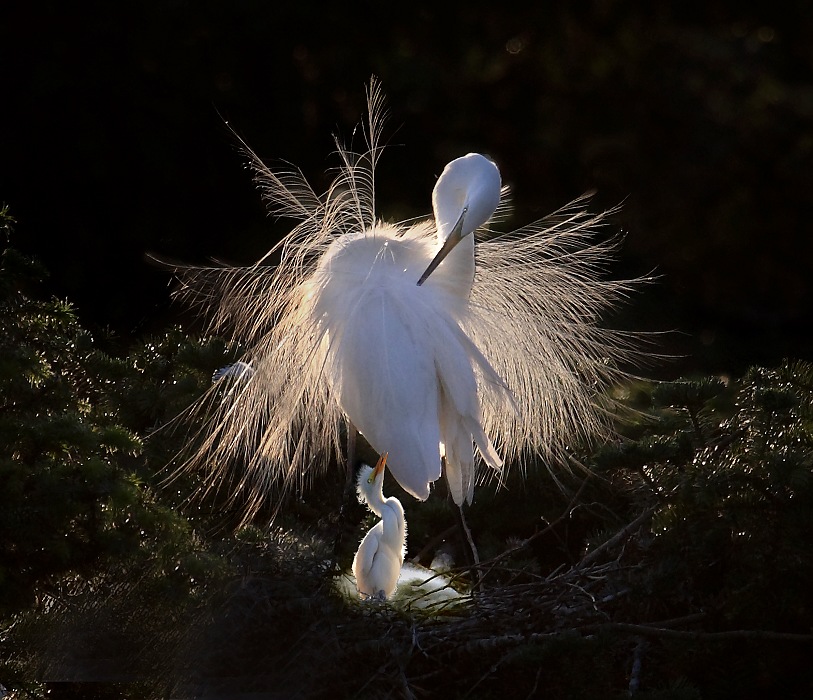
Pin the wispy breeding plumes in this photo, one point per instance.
(499, 351)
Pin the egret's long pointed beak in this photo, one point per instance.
(382, 462)
(455, 236)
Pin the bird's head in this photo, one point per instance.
(371, 479)
(466, 195)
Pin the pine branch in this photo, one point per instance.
(621, 535)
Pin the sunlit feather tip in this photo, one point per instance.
(526, 332)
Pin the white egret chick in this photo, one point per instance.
(434, 354)
(379, 558)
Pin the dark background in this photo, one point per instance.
(698, 116)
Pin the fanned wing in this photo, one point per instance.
(270, 433)
(536, 302)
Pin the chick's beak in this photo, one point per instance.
(379, 467)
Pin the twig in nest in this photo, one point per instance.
(649, 631)
(637, 665)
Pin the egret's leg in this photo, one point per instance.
(474, 553)
(477, 573)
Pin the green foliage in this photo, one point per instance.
(57, 470)
(81, 513)
(735, 495)
(682, 554)
(730, 484)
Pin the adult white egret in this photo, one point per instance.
(402, 368)
(394, 328)
(380, 555)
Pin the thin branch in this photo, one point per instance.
(637, 665)
(491, 563)
(663, 632)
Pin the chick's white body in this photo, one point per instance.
(379, 558)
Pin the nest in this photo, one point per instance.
(282, 629)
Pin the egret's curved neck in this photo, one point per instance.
(376, 502)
